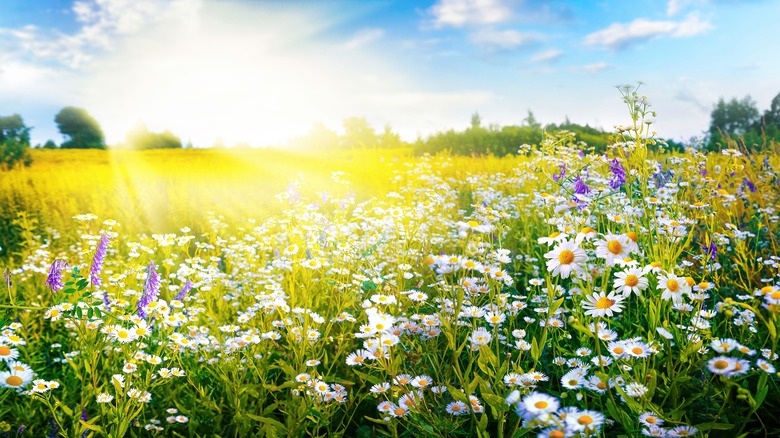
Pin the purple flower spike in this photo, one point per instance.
(184, 291)
(97, 262)
(618, 175)
(562, 172)
(54, 280)
(151, 289)
(580, 187)
(711, 250)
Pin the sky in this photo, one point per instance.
(263, 72)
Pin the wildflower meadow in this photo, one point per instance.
(554, 293)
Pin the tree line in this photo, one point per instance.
(735, 120)
(739, 120)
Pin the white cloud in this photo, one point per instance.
(592, 68)
(503, 39)
(547, 55)
(102, 23)
(619, 36)
(460, 13)
(364, 37)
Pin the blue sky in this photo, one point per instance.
(265, 71)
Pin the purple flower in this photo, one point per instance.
(100, 257)
(703, 169)
(618, 175)
(54, 280)
(562, 171)
(580, 187)
(184, 291)
(151, 289)
(750, 185)
(106, 301)
(711, 250)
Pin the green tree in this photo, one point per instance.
(358, 134)
(14, 142)
(476, 121)
(81, 129)
(50, 144)
(732, 119)
(141, 138)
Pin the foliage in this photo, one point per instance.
(141, 138)
(740, 120)
(82, 130)
(14, 142)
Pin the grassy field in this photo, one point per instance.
(550, 294)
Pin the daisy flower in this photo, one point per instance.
(766, 366)
(421, 381)
(673, 287)
(566, 258)
(630, 280)
(584, 420)
(104, 398)
(613, 247)
(537, 403)
(650, 419)
(457, 408)
(600, 305)
(7, 353)
(16, 378)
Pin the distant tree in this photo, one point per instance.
(770, 121)
(389, 139)
(530, 120)
(476, 121)
(81, 129)
(733, 119)
(14, 142)
(772, 115)
(358, 134)
(50, 144)
(141, 138)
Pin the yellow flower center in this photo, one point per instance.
(618, 350)
(651, 420)
(637, 350)
(721, 364)
(601, 385)
(557, 434)
(604, 303)
(585, 420)
(632, 235)
(672, 285)
(473, 224)
(4, 351)
(399, 411)
(614, 247)
(122, 334)
(775, 295)
(632, 280)
(541, 404)
(14, 381)
(566, 257)
(704, 285)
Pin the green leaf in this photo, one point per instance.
(69, 290)
(368, 285)
(90, 426)
(714, 426)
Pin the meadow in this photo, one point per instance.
(553, 293)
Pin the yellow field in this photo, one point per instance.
(162, 191)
